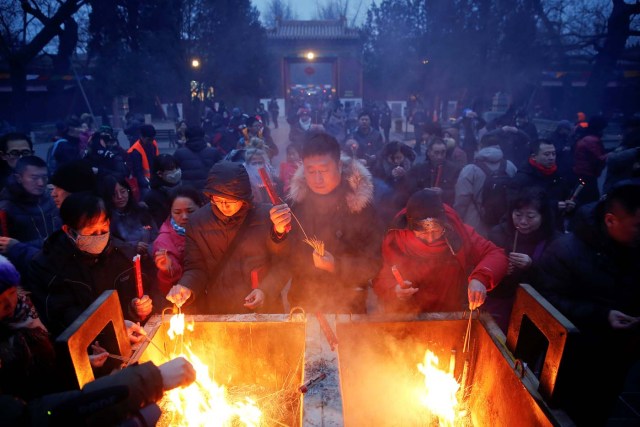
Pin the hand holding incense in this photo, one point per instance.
(515, 241)
(268, 185)
(398, 277)
(578, 189)
(138, 272)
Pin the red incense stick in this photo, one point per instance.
(138, 270)
(269, 186)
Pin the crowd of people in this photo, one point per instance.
(465, 213)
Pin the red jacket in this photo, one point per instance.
(589, 157)
(441, 272)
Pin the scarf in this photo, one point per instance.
(180, 230)
(544, 171)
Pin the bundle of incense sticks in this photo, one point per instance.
(138, 271)
(317, 245)
(515, 241)
(268, 185)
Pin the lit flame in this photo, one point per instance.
(204, 402)
(440, 389)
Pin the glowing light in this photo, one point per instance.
(204, 402)
(425, 61)
(440, 391)
(195, 63)
(311, 56)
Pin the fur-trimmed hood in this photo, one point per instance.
(354, 173)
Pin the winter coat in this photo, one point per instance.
(30, 220)
(623, 163)
(345, 221)
(170, 241)
(108, 161)
(133, 225)
(556, 186)
(589, 157)
(500, 300)
(442, 271)
(143, 385)
(586, 275)
(468, 190)
(65, 281)
(222, 290)
(195, 159)
(369, 144)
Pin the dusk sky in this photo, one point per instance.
(305, 9)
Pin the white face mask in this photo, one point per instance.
(306, 124)
(90, 244)
(173, 177)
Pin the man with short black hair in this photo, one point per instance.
(30, 215)
(142, 155)
(331, 261)
(592, 277)
(13, 145)
(369, 140)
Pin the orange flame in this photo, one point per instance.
(440, 391)
(204, 402)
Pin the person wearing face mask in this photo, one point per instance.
(230, 246)
(166, 176)
(105, 154)
(299, 129)
(255, 159)
(434, 251)
(81, 261)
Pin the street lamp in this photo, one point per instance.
(310, 56)
(195, 63)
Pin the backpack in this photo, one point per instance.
(52, 164)
(494, 193)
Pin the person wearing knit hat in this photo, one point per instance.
(16, 307)
(69, 178)
(434, 250)
(230, 245)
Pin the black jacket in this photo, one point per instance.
(65, 281)
(195, 159)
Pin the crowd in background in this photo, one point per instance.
(466, 211)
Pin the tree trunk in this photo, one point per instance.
(19, 102)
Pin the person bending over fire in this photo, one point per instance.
(230, 243)
(434, 250)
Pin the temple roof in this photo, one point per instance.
(314, 30)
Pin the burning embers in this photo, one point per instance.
(440, 394)
(247, 372)
(205, 402)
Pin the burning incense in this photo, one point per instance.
(328, 332)
(268, 185)
(138, 271)
(398, 277)
(578, 189)
(317, 245)
(305, 387)
(275, 199)
(254, 279)
(515, 241)
(438, 176)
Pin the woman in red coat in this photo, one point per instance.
(434, 251)
(168, 248)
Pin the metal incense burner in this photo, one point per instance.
(364, 380)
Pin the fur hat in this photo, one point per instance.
(74, 177)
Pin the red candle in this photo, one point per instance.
(269, 186)
(398, 277)
(438, 175)
(138, 270)
(4, 228)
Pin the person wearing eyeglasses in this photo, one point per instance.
(29, 212)
(13, 145)
(230, 246)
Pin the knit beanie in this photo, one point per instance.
(424, 204)
(9, 276)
